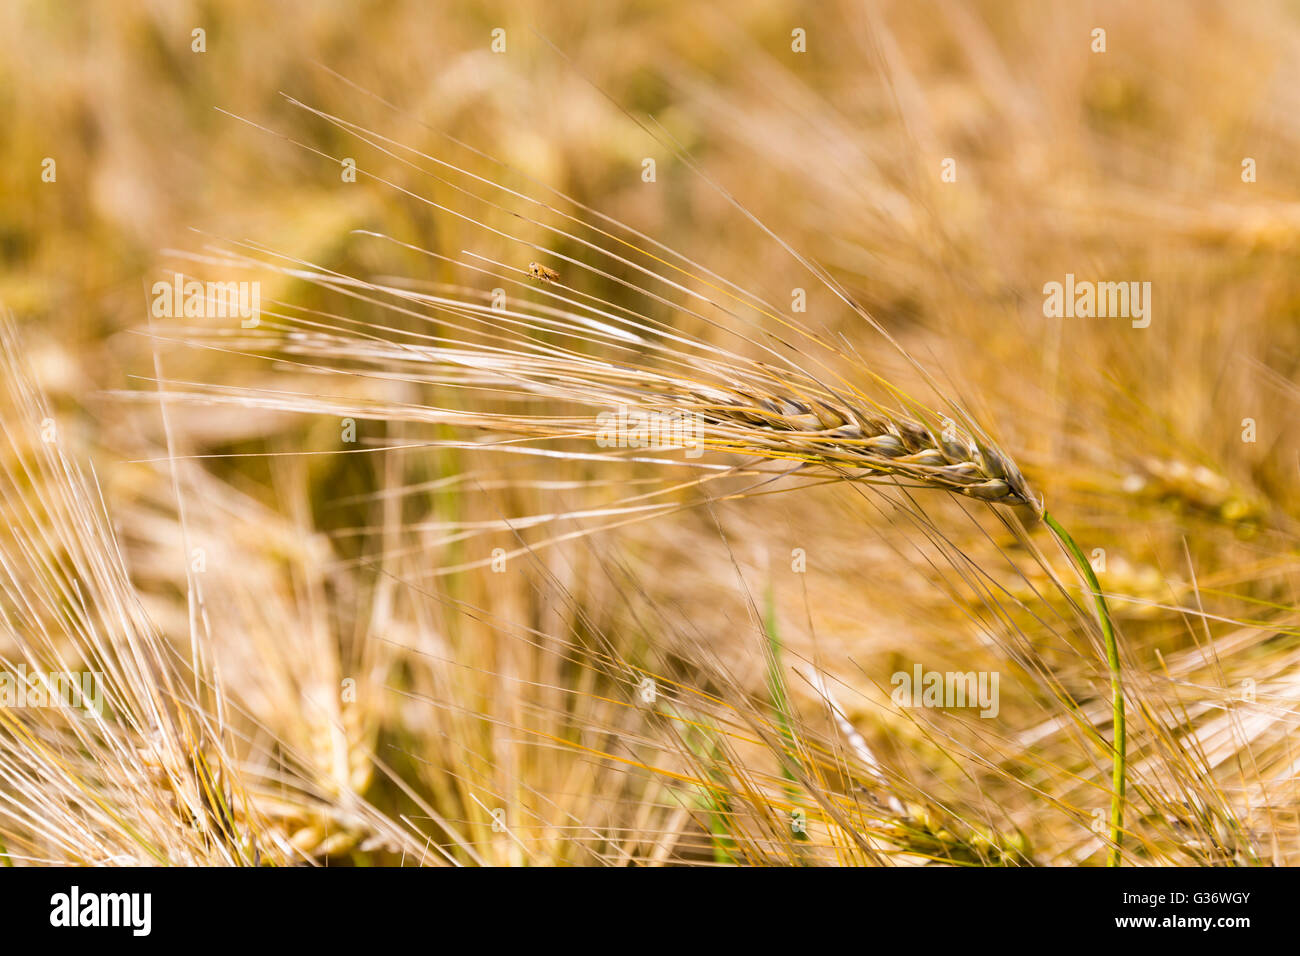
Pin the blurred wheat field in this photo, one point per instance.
(365, 586)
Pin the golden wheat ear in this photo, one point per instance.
(842, 436)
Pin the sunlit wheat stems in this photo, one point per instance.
(775, 412)
(742, 408)
(1119, 744)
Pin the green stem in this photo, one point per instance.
(1116, 691)
(780, 700)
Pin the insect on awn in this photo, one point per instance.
(541, 273)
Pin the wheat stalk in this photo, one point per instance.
(814, 418)
(728, 403)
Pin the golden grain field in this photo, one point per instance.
(646, 433)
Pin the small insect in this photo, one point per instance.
(541, 273)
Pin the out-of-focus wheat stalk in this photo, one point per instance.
(152, 779)
(161, 775)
